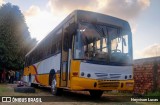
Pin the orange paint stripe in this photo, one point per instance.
(36, 74)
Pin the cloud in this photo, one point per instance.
(1, 2)
(40, 22)
(144, 3)
(67, 6)
(150, 51)
(125, 9)
(32, 11)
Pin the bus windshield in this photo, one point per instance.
(101, 43)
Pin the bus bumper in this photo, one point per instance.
(92, 84)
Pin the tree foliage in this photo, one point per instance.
(15, 40)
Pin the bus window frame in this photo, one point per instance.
(119, 29)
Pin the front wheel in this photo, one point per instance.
(54, 89)
(96, 93)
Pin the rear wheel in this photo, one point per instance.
(54, 89)
(24, 89)
(96, 93)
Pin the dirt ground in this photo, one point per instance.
(68, 98)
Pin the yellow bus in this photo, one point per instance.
(87, 51)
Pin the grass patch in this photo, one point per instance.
(156, 93)
(3, 89)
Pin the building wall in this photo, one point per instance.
(147, 75)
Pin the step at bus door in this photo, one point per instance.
(64, 68)
(64, 73)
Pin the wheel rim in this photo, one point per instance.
(53, 86)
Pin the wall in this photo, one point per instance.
(147, 75)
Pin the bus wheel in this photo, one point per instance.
(55, 91)
(96, 93)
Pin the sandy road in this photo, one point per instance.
(68, 98)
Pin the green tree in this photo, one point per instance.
(15, 40)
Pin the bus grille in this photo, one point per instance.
(105, 84)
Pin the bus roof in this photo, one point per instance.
(101, 18)
(89, 16)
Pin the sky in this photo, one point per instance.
(42, 16)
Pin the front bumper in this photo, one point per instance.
(78, 83)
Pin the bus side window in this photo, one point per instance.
(58, 46)
(49, 47)
(26, 61)
(65, 42)
(68, 31)
(55, 45)
(65, 36)
(43, 50)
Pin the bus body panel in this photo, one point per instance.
(40, 71)
(105, 72)
(98, 83)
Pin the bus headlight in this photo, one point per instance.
(88, 75)
(130, 76)
(82, 74)
(125, 77)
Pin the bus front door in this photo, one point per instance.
(65, 69)
(64, 61)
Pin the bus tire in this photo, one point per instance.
(34, 85)
(95, 93)
(54, 90)
(24, 89)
